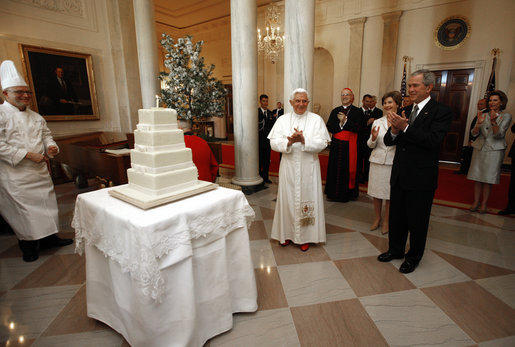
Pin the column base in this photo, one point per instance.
(249, 185)
(253, 189)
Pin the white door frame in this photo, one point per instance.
(476, 92)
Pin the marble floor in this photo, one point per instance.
(336, 294)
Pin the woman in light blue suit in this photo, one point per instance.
(489, 147)
(381, 161)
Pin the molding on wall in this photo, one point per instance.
(78, 14)
(338, 11)
(14, 39)
(473, 64)
(68, 7)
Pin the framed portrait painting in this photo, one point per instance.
(452, 32)
(62, 82)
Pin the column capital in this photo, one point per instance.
(391, 16)
(357, 21)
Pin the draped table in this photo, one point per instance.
(169, 276)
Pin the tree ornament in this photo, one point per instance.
(190, 87)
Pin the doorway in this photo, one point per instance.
(453, 88)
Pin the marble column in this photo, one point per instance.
(147, 51)
(245, 98)
(389, 52)
(299, 17)
(355, 56)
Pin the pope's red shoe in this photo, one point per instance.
(286, 243)
(304, 247)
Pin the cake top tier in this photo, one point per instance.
(157, 116)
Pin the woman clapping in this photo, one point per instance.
(381, 160)
(489, 147)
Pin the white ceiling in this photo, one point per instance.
(186, 13)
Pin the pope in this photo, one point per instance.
(299, 210)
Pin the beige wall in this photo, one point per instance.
(492, 26)
(103, 29)
(372, 47)
(491, 22)
(323, 82)
(335, 39)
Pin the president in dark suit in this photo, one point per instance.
(415, 169)
(266, 122)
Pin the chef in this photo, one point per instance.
(27, 197)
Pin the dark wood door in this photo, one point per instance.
(453, 88)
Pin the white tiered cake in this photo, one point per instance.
(162, 167)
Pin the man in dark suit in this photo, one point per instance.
(370, 114)
(62, 93)
(406, 101)
(415, 169)
(344, 123)
(266, 122)
(278, 112)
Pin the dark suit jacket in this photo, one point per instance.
(511, 154)
(281, 112)
(415, 166)
(56, 92)
(364, 133)
(354, 120)
(377, 113)
(268, 124)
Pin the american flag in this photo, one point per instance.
(403, 83)
(491, 81)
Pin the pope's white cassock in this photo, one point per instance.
(299, 211)
(27, 196)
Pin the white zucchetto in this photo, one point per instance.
(9, 76)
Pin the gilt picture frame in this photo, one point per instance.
(62, 83)
(452, 32)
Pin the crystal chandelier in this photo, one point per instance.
(272, 43)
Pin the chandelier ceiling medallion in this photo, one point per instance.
(272, 43)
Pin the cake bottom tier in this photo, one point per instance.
(162, 183)
(145, 201)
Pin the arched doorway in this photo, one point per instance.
(323, 75)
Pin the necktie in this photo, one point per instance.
(63, 84)
(413, 115)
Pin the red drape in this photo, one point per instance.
(352, 139)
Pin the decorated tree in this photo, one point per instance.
(190, 88)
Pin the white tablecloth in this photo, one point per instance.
(169, 276)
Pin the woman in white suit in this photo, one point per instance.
(489, 147)
(381, 160)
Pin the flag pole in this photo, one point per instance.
(403, 83)
(490, 87)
